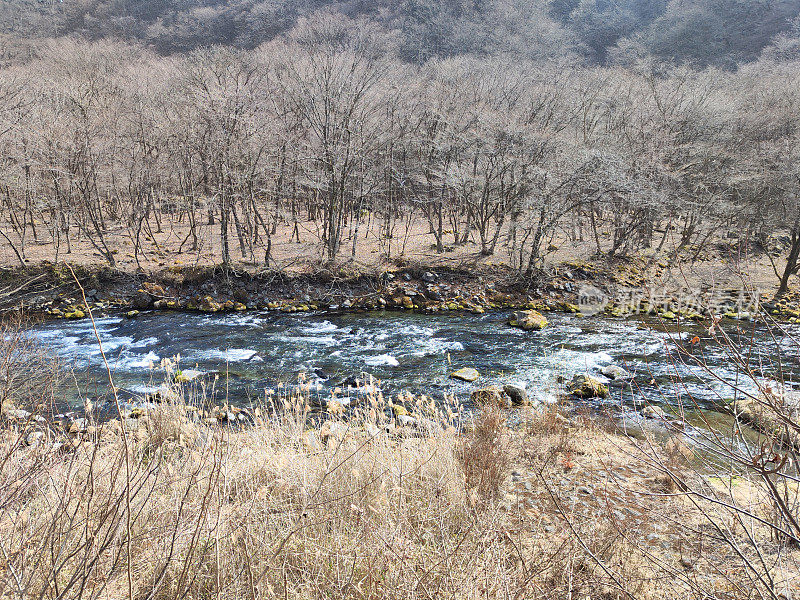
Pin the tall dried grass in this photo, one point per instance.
(358, 507)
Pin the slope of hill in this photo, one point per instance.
(702, 32)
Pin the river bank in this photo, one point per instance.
(616, 289)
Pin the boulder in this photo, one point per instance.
(407, 421)
(154, 289)
(243, 416)
(429, 277)
(490, 396)
(517, 392)
(223, 414)
(187, 375)
(770, 413)
(399, 410)
(529, 320)
(163, 394)
(17, 415)
(568, 307)
(32, 438)
(209, 305)
(653, 412)
(466, 374)
(616, 372)
(586, 386)
(142, 301)
(135, 412)
(78, 426)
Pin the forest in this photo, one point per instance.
(721, 33)
(355, 120)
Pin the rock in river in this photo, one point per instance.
(586, 386)
(187, 375)
(653, 412)
(529, 320)
(493, 396)
(616, 372)
(142, 300)
(209, 305)
(465, 374)
(517, 392)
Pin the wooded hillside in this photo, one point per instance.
(700, 32)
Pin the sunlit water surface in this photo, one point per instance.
(253, 352)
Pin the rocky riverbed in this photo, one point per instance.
(56, 291)
(243, 359)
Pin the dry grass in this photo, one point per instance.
(28, 373)
(352, 509)
(485, 456)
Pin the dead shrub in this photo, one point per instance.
(549, 433)
(169, 424)
(29, 375)
(548, 420)
(485, 454)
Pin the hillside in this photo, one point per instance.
(701, 32)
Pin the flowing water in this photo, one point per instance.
(252, 352)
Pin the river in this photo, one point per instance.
(254, 352)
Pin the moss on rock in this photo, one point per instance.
(529, 320)
(586, 386)
(466, 374)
